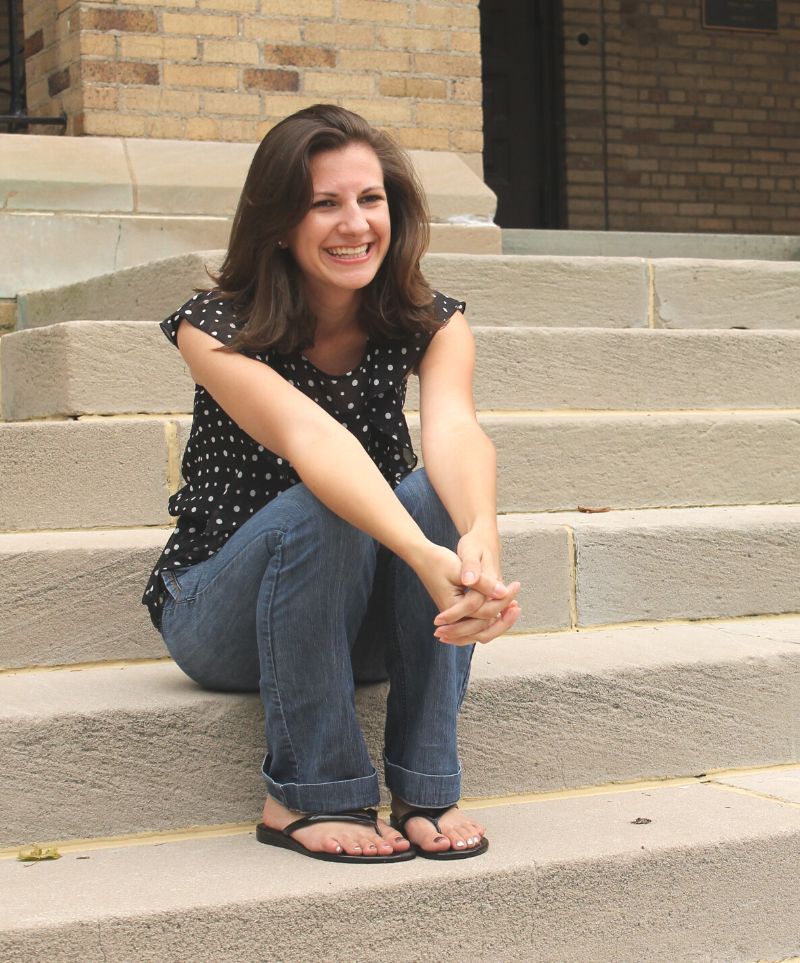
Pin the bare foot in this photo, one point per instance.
(458, 830)
(354, 839)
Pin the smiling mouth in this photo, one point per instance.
(349, 253)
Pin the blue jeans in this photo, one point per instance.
(301, 605)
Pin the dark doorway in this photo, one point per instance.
(522, 94)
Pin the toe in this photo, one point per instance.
(458, 840)
(392, 837)
(425, 834)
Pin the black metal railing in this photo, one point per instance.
(17, 118)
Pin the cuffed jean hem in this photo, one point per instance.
(421, 790)
(325, 797)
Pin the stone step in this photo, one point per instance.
(73, 597)
(142, 748)
(117, 472)
(548, 291)
(128, 367)
(711, 874)
(679, 563)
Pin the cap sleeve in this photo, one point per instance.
(446, 307)
(206, 312)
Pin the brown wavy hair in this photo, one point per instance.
(264, 281)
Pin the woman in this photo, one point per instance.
(306, 552)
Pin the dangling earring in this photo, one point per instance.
(281, 244)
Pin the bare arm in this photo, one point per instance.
(326, 456)
(462, 465)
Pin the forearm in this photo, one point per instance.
(462, 466)
(338, 470)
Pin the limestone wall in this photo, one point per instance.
(229, 69)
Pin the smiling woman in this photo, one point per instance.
(307, 556)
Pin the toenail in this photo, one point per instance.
(338, 849)
(440, 839)
(460, 843)
(399, 839)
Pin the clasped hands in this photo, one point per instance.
(474, 604)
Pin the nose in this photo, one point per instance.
(353, 219)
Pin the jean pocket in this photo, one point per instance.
(172, 581)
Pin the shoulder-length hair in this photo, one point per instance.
(263, 280)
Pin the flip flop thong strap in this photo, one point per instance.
(432, 815)
(369, 817)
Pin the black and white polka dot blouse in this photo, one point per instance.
(229, 476)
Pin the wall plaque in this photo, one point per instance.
(761, 15)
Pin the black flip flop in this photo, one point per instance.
(433, 816)
(367, 817)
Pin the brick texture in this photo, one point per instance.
(674, 127)
(230, 69)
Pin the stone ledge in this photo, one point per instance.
(712, 876)
(127, 367)
(499, 290)
(150, 176)
(537, 717)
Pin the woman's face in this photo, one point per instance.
(343, 239)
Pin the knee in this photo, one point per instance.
(307, 518)
(423, 504)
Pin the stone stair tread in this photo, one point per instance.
(711, 874)
(120, 367)
(697, 563)
(657, 564)
(140, 746)
(118, 472)
(548, 290)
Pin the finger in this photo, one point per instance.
(502, 625)
(492, 608)
(477, 630)
(470, 571)
(470, 602)
(465, 629)
(474, 605)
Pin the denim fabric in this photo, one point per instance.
(299, 604)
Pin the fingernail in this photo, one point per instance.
(499, 590)
(468, 577)
(438, 620)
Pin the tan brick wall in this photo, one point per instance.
(673, 127)
(230, 69)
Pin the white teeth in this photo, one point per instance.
(348, 251)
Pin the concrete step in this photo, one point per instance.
(653, 244)
(142, 748)
(710, 875)
(575, 569)
(557, 462)
(680, 563)
(547, 291)
(73, 597)
(78, 207)
(105, 473)
(127, 367)
(117, 472)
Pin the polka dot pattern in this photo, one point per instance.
(230, 477)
